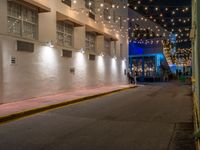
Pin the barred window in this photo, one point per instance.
(106, 14)
(90, 41)
(22, 20)
(107, 46)
(65, 33)
(90, 4)
(67, 2)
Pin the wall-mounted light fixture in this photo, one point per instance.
(101, 54)
(115, 58)
(82, 50)
(124, 59)
(50, 44)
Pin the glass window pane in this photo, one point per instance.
(90, 41)
(29, 30)
(14, 10)
(67, 30)
(14, 26)
(29, 15)
(60, 38)
(107, 45)
(90, 4)
(22, 20)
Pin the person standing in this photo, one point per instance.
(129, 77)
(135, 79)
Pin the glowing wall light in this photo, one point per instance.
(101, 66)
(114, 64)
(82, 50)
(50, 44)
(48, 55)
(48, 60)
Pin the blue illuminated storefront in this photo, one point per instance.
(146, 61)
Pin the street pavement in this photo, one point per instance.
(150, 117)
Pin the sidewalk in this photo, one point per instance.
(11, 111)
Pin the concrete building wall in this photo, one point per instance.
(45, 71)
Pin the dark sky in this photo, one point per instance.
(172, 5)
(173, 2)
(164, 2)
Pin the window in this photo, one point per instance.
(90, 41)
(107, 46)
(91, 15)
(67, 2)
(106, 14)
(22, 20)
(65, 33)
(90, 4)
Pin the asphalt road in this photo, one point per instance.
(150, 117)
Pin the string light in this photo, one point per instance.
(154, 16)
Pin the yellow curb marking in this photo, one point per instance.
(28, 113)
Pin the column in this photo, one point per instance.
(1, 75)
(100, 44)
(197, 50)
(79, 37)
(3, 16)
(47, 26)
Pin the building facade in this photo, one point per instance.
(195, 36)
(49, 46)
(146, 50)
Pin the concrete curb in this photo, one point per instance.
(18, 115)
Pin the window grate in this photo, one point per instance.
(25, 46)
(66, 53)
(92, 57)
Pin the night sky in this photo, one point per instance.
(157, 10)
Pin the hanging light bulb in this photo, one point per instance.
(156, 8)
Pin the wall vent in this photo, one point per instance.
(66, 53)
(13, 60)
(25, 46)
(91, 57)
